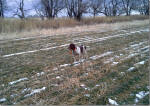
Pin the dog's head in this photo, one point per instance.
(72, 47)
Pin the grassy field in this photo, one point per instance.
(41, 71)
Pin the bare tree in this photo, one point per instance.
(111, 8)
(95, 6)
(52, 7)
(143, 7)
(76, 8)
(128, 6)
(80, 8)
(20, 11)
(106, 8)
(39, 9)
(115, 7)
(3, 7)
(69, 4)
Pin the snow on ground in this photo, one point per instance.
(64, 45)
(114, 63)
(131, 69)
(65, 65)
(14, 82)
(82, 85)
(141, 63)
(40, 74)
(76, 63)
(2, 100)
(87, 95)
(33, 51)
(35, 91)
(58, 77)
(138, 44)
(14, 95)
(112, 102)
(102, 55)
(25, 90)
(132, 54)
(97, 85)
(141, 95)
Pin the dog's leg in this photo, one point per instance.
(73, 56)
(79, 57)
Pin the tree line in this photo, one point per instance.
(76, 8)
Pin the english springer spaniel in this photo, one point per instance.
(79, 51)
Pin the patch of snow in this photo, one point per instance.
(86, 74)
(114, 63)
(131, 69)
(76, 63)
(109, 60)
(99, 56)
(54, 85)
(82, 85)
(87, 88)
(2, 99)
(54, 69)
(35, 91)
(25, 90)
(14, 95)
(40, 74)
(112, 102)
(136, 100)
(132, 55)
(141, 95)
(97, 85)
(33, 51)
(122, 73)
(114, 79)
(14, 82)
(145, 51)
(58, 77)
(145, 48)
(139, 63)
(65, 65)
(87, 95)
(147, 87)
(142, 62)
(135, 45)
(117, 56)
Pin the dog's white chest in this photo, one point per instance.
(78, 51)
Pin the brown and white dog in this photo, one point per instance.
(79, 51)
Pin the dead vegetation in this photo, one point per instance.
(16, 25)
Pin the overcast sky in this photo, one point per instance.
(27, 4)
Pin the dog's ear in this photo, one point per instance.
(72, 46)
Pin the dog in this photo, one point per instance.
(79, 51)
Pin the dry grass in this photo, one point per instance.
(16, 25)
(67, 89)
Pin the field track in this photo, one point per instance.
(41, 71)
